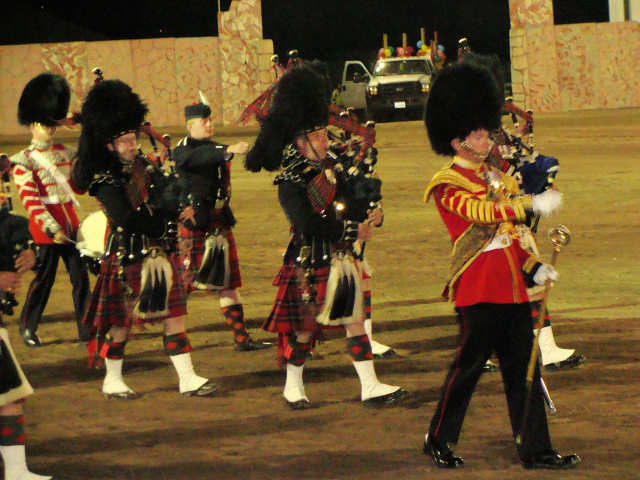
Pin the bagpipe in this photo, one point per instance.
(348, 178)
(354, 157)
(535, 172)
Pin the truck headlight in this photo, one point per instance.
(373, 89)
(425, 88)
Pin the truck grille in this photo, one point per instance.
(400, 91)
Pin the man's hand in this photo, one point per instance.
(364, 232)
(9, 281)
(188, 213)
(241, 147)
(60, 238)
(375, 217)
(25, 260)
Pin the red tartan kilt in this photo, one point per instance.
(285, 316)
(110, 305)
(191, 244)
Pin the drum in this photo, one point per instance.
(92, 234)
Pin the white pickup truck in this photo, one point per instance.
(397, 84)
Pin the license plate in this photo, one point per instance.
(399, 105)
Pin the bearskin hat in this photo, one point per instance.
(463, 98)
(300, 104)
(45, 99)
(493, 64)
(110, 109)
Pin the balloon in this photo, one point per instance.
(399, 52)
(441, 48)
(410, 51)
(389, 52)
(419, 44)
(381, 53)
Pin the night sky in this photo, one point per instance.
(332, 30)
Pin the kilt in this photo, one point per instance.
(191, 245)
(110, 304)
(285, 315)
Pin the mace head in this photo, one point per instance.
(560, 236)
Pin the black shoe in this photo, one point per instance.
(391, 353)
(127, 395)
(301, 404)
(30, 338)
(206, 389)
(443, 457)
(489, 366)
(250, 346)
(387, 400)
(552, 460)
(573, 361)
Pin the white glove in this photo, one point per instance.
(545, 272)
(547, 202)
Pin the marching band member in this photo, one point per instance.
(206, 242)
(41, 175)
(139, 278)
(14, 386)
(490, 270)
(319, 283)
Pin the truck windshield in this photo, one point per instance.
(401, 67)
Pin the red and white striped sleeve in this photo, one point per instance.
(24, 179)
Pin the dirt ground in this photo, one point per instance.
(246, 431)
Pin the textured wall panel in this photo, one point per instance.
(530, 12)
(578, 64)
(198, 68)
(154, 66)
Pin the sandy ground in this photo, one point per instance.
(246, 432)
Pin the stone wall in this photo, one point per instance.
(230, 69)
(572, 67)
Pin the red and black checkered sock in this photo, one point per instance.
(367, 304)
(295, 352)
(12, 430)
(359, 348)
(176, 344)
(113, 350)
(535, 314)
(234, 315)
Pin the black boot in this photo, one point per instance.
(443, 457)
(30, 338)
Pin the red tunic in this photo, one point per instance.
(492, 276)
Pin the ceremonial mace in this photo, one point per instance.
(560, 237)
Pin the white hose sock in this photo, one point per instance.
(371, 386)
(113, 382)
(550, 352)
(188, 381)
(293, 386)
(15, 464)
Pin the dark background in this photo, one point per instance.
(332, 30)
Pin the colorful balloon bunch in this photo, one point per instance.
(396, 52)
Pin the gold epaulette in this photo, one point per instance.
(448, 175)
